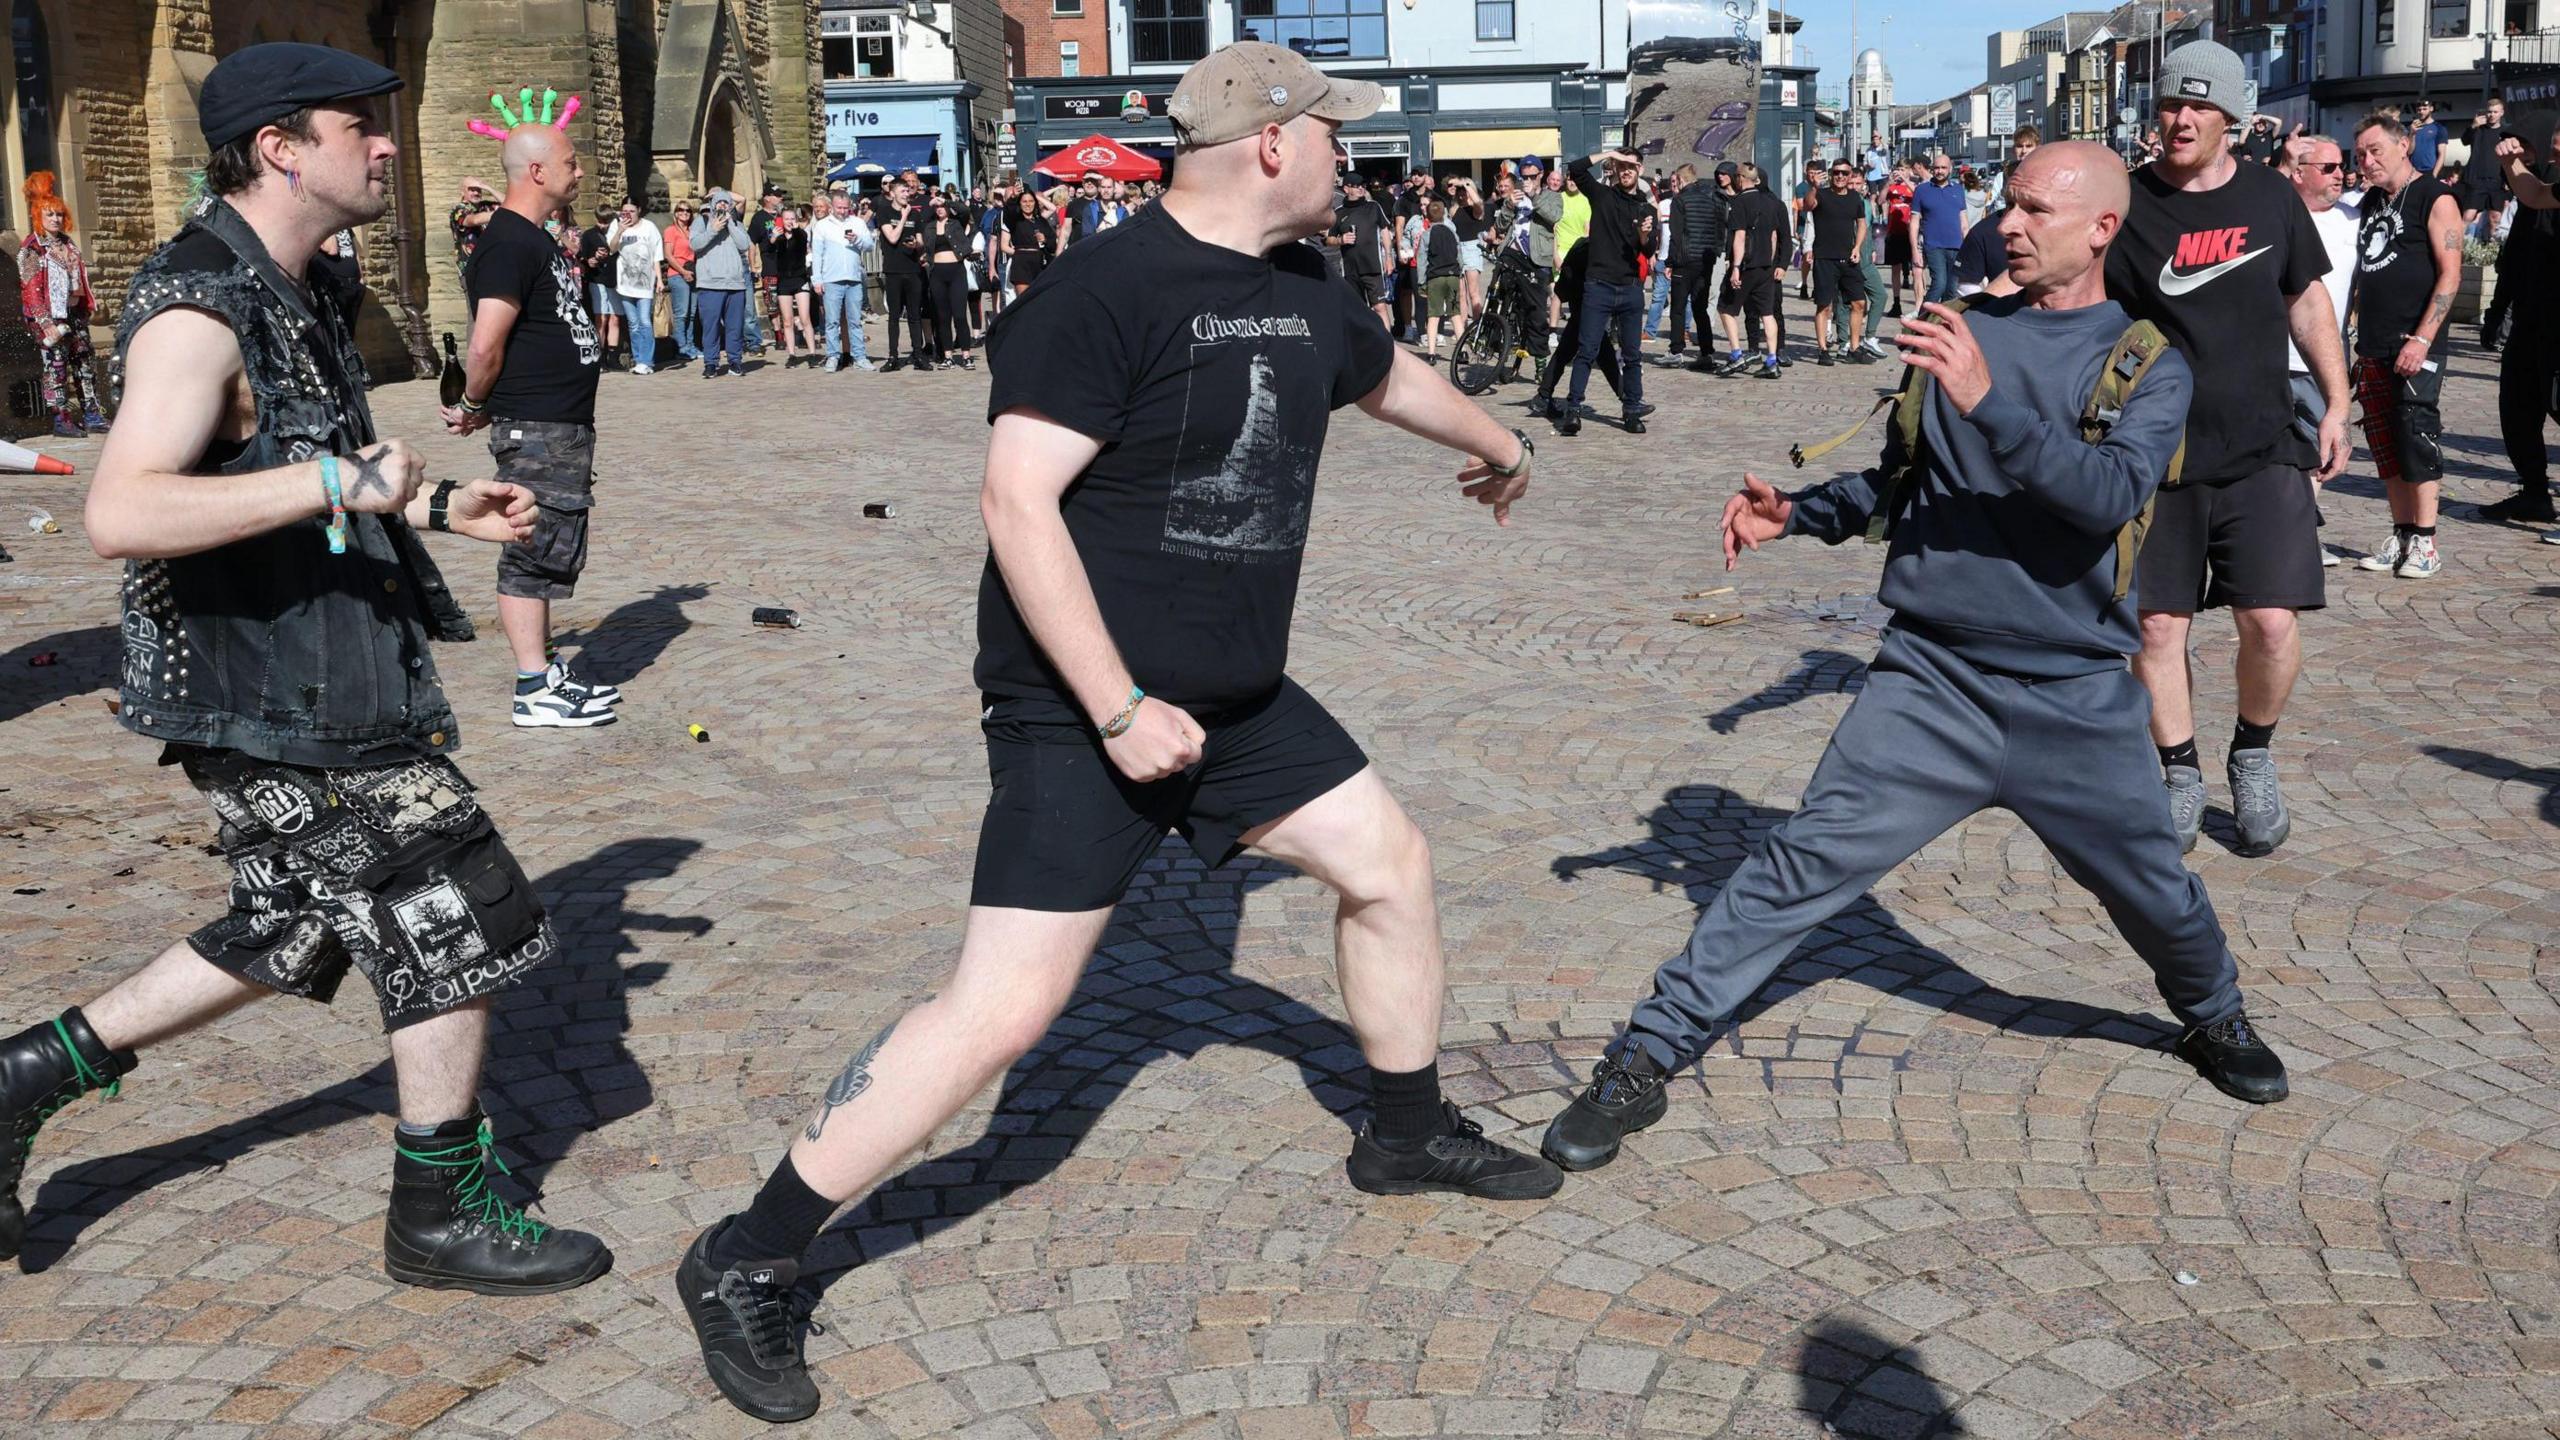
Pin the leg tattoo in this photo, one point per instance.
(852, 1081)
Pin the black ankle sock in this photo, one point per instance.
(787, 1216)
(2245, 736)
(1404, 1108)
(2427, 530)
(2182, 753)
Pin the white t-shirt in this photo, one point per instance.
(639, 253)
(2337, 227)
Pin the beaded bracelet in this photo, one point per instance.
(1118, 725)
(337, 505)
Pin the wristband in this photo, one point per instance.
(337, 505)
(1118, 725)
(470, 406)
(437, 519)
(1526, 450)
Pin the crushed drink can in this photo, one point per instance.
(773, 617)
(879, 510)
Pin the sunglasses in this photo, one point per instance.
(2326, 166)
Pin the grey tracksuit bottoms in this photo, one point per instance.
(1930, 741)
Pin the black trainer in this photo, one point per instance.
(43, 1068)
(1624, 1096)
(1458, 1159)
(2525, 507)
(447, 1230)
(2230, 1054)
(750, 1321)
(1567, 420)
(1638, 409)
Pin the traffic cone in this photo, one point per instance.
(19, 460)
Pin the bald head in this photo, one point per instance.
(2079, 172)
(542, 168)
(2066, 203)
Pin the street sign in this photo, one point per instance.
(1918, 132)
(2004, 109)
(2127, 115)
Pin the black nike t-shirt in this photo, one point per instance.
(2396, 268)
(1210, 387)
(2216, 270)
(552, 356)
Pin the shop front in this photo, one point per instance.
(875, 129)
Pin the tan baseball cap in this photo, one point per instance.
(1237, 89)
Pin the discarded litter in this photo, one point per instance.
(1708, 594)
(1705, 618)
(41, 523)
(774, 617)
(2186, 1277)
(880, 510)
(700, 735)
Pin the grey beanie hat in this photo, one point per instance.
(2207, 73)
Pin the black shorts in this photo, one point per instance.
(1762, 291)
(393, 868)
(1372, 288)
(1065, 831)
(1897, 246)
(2251, 543)
(556, 462)
(1838, 281)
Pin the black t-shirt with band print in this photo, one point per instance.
(1210, 386)
(2216, 270)
(2396, 268)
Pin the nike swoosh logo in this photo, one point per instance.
(2173, 283)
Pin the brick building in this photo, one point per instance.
(680, 94)
(1059, 37)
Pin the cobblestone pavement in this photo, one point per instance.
(1941, 1180)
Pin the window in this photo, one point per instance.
(1168, 32)
(875, 48)
(835, 57)
(2448, 19)
(35, 85)
(1070, 58)
(1318, 29)
(2385, 21)
(1066, 7)
(1494, 20)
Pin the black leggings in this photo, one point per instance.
(2524, 401)
(1691, 295)
(950, 282)
(904, 295)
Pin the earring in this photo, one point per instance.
(293, 181)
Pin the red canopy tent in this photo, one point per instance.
(1099, 155)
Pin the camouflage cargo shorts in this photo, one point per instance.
(557, 463)
(393, 868)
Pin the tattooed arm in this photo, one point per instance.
(2444, 237)
(184, 389)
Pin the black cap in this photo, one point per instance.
(264, 83)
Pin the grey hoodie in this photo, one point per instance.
(720, 248)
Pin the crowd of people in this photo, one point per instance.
(934, 262)
(2122, 421)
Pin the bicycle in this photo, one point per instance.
(1508, 328)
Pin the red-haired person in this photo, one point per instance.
(53, 293)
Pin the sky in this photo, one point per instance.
(1933, 47)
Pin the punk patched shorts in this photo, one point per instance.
(556, 461)
(394, 869)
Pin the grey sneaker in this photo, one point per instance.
(2257, 802)
(2186, 803)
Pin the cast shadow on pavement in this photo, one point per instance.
(1818, 672)
(84, 660)
(558, 1040)
(634, 634)
(1859, 1384)
(2492, 767)
(1700, 834)
(1161, 985)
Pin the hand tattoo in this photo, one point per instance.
(850, 1082)
(369, 477)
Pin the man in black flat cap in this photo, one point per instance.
(277, 611)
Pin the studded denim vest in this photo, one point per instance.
(272, 645)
